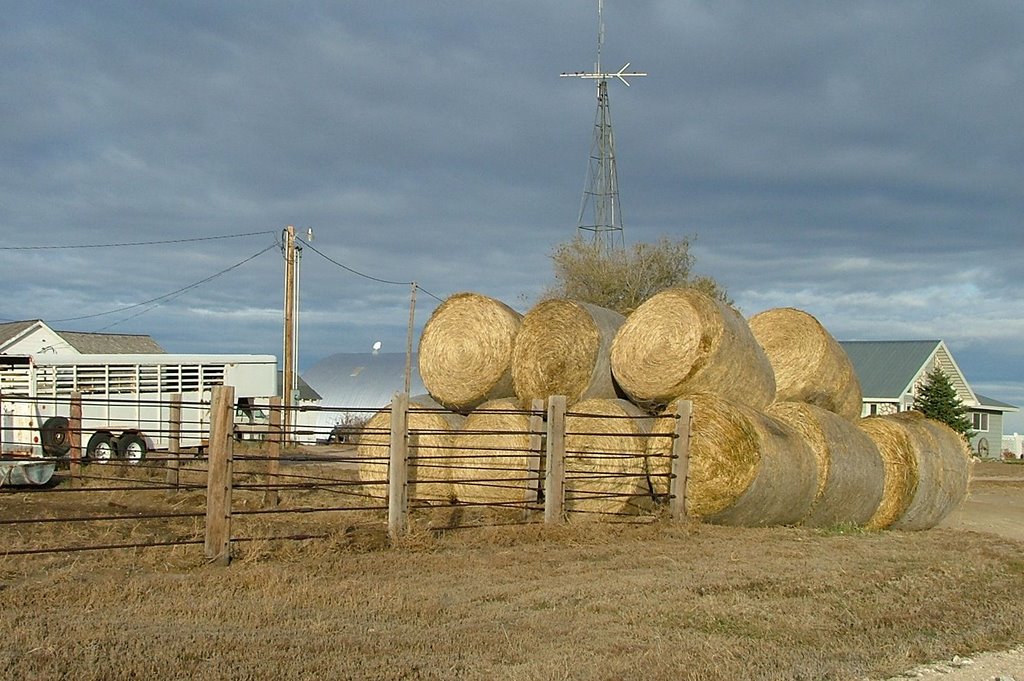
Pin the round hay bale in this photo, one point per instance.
(681, 341)
(563, 348)
(745, 467)
(809, 363)
(492, 458)
(605, 458)
(429, 469)
(943, 463)
(899, 461)
(850, 471)
(465, 352)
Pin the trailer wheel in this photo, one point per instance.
(132, 447)
(101, 447)
(54, 436)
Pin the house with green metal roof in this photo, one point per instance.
(891, 372)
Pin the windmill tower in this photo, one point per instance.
(600, 213)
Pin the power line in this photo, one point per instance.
(160, 300)
(135, 243)
(364, 275)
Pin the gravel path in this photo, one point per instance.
(1001, 666)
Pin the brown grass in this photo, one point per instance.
(585, 601)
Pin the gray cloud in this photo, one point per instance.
(860, 160)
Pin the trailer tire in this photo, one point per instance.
(101, 447)
(132, 447)
(55, 436)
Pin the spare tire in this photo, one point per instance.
(55, 436)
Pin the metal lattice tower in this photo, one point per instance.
(600, 212)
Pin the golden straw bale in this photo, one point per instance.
(493, 459)
(809, 363)
(563, 348)
(681, 341)
(850, 471)
(465, 352)
(901, 468)
(605, 458)
(429, 469)
(943, 459)
(745, 467)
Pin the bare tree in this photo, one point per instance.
(620, 278)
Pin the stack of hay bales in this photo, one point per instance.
(465, 353)
(745, 467)
(809, 364)
(775, 436)
(492, 461)
(927, 468)
(605, 471)
(430, 471)
(683, 342)
(563, 348)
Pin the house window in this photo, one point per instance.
(873, 409)
(979, 421)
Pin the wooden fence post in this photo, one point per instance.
(535, 475)
(398, 468)
(274, 436)
(680, 460)
(174, 441)
(554, 485)
(218, 479)
(75, 434)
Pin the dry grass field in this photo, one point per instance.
(584, 601)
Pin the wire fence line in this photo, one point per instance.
(264, 484)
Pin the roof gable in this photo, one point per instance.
(110, 343)
(887, 369)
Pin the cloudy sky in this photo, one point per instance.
(863, 161)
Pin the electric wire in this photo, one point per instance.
(134, 243)
(167, 297)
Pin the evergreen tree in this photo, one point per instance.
(937, 399)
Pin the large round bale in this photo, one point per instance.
(809, 363)
(681, 341)
(495, 461)
(745, 467)
(605, 458)
(850, 470)
(899, 460)
(943, 464)
(465, 352)
(431, 438)
(563, 348)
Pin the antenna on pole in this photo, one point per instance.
(599, 209)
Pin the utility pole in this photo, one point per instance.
(291, 317)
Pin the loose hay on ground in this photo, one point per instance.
(809, 363)
(465, 351)
(563, 348)
(850, 470)
(681, 341)
(745, 468)
(431, 438)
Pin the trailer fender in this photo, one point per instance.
(55, 437)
